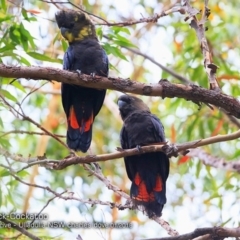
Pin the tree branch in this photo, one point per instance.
(163, 88)
(144, 149)
(20, 229)
(174, 8)
(29, 133)
(27, 118)
(177, 76)
(183, 148)
(164, 68)
(199, 27)
(213, 161)
(97, 173)
(215, 233)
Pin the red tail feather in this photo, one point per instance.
(143, 194)
(85, 124)
(159, 184)
(88, 123)
(72, 119)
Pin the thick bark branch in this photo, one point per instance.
(199, 27)
(58, 165)
(215, 233)
(163, 88)
(129, 152)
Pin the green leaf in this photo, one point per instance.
(14, 34)
(24, 61)
(24, 44)
(114, 68)
(126, 30)
(202, 129)
(1, 198)
(5, 143)
(119, 37)
(24, 13)
(27, 16)
(9, 47)
(1, 123)
(213, 196)
(198, 169)
(114, 50)
(57, 36)
(18, 86)
(64, 45)
(15, 56)
(8, 53)
(220, 203)
(2, 40)
(190, 129)
(32, 19)
(99, 33)
(23, 174)
(4, 17)
(3, 5)
(120, 40)
(42, 57)
(4, 173)
(7, 95)
(26, 36)
(10, 198)
(125, 43)
(118, 29)
(224, 223)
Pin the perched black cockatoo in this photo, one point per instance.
(149, 171)
(86, 56)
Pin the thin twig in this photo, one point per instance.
(31, 92)
(30, 133)
(166, 69)
(20, 229)
(97, 172)
(27, 118)
(175, 8)
(49, 200)
(213, 161)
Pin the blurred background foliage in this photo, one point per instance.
(198, 195)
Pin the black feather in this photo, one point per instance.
(142, 128)
(86, 55)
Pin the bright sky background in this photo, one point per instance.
(188, 215)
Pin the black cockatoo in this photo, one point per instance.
(86, 56)
(149, 171)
